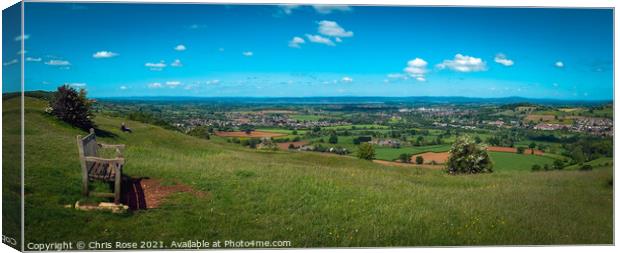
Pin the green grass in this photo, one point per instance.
(311, 199)
(503, 161)
(596, 163)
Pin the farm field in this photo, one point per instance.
(253, 134)
(303, 197)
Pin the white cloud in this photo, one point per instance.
(123, 87)
(288, 8)
(104, 54)
(25, 37)
(154, 85)
(320, 39)
(173, 84)
(9, 63)
(416, 68)
(332, 29)
(327, 9)
(180, 47)
(295, 41)
(559, 64)
(176, 63)
(501, 59)
(397, 76)
(248, 53)
(33, 59)
(347, 79)
(155, 66)
(464, 63)
(197, 26)
(77, 84)
(58, 63)
(213, 82)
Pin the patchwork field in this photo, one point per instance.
(311, 199)
(253, 134)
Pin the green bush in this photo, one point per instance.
(419, 160)
(72, 106)
(406, 158)
(558, 165)
(366, 151)
(536, 167)
(585, 167)
(467, 157)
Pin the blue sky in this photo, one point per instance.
(270, 50)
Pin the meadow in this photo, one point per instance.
(307, 198)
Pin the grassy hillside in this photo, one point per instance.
(310, 199)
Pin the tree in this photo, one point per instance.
(558, 165)
(577, 155)
(419, 160)
(72, 106)
(405, 158)
(333, 139)
(532, 146)
(468, 157)
(585, 167)
(366, 151)
(520, 150)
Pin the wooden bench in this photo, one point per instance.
(95, 167)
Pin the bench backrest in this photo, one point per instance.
(87, 146)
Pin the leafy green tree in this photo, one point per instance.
(72, 106)
(467, 157)
(532, 146)
(520, 150)
(585, 167)
(419, 160)
(577, 155)
(366, 151)
(333, 139)
(405, 158)
(558, 165)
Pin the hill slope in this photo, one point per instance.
(306, 198)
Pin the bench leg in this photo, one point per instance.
(85, 185)
(117, 186)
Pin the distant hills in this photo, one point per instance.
(333, 100)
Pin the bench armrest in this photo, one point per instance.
(117, 146)
(119, 161)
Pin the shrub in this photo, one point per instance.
(333, 139)
(520, 150)
(535, 167)
(546, 167)
(419, 160)
(366, 151)
(558, 165)
(72, 106)
(585, 167)
(406, 158)
(468, 157)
